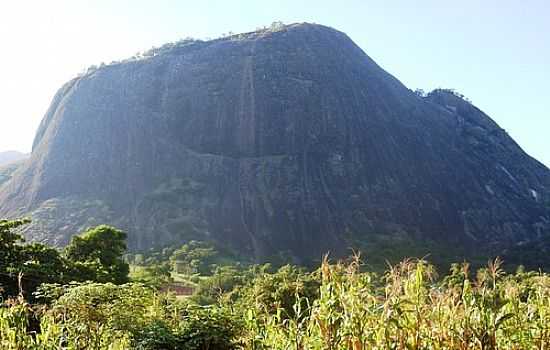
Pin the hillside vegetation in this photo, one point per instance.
(237, 305)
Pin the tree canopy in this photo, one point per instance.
(96, 255)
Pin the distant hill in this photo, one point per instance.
(288, 141)
(10, 161)
(11, 156)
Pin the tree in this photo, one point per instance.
(281, 290)
(195, 257)
(9, 255)
(420, 92)
(39, 264)
(26, 266)
(97, 254)
(7, 237)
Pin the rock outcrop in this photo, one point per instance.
(290, 140)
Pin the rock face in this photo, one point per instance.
(290, 140)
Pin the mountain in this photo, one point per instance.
(11, 157)
(9, 162)
(285, 141)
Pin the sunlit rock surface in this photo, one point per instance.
(290, 140)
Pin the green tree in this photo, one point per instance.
(9, 255)
(23, 267)
(97, 255)
(195, 257)
(40, 264)
(282, 290)
(155, 275)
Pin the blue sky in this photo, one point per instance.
(497, 53)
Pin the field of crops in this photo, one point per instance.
(338, 306)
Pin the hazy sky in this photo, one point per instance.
(496, 52)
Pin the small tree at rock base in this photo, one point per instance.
(97, 255)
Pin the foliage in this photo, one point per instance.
(156, 335)
(339, 306)
(226, 282)
(420, 93)
(202, 258)
(98, 255)
(281, 291)
(192, 263)
(414, 311)
(194, 257)
(41, 264)
(451, 92)
(199, 328)
(406, 308)
(109, 316)
(391, 248)
(208, 328)
(155, 275)
(25, 267)
(95, 256)
(533, 254)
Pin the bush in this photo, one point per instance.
(205, 328)
(199, 328)
(156, 335)
(280, 291)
